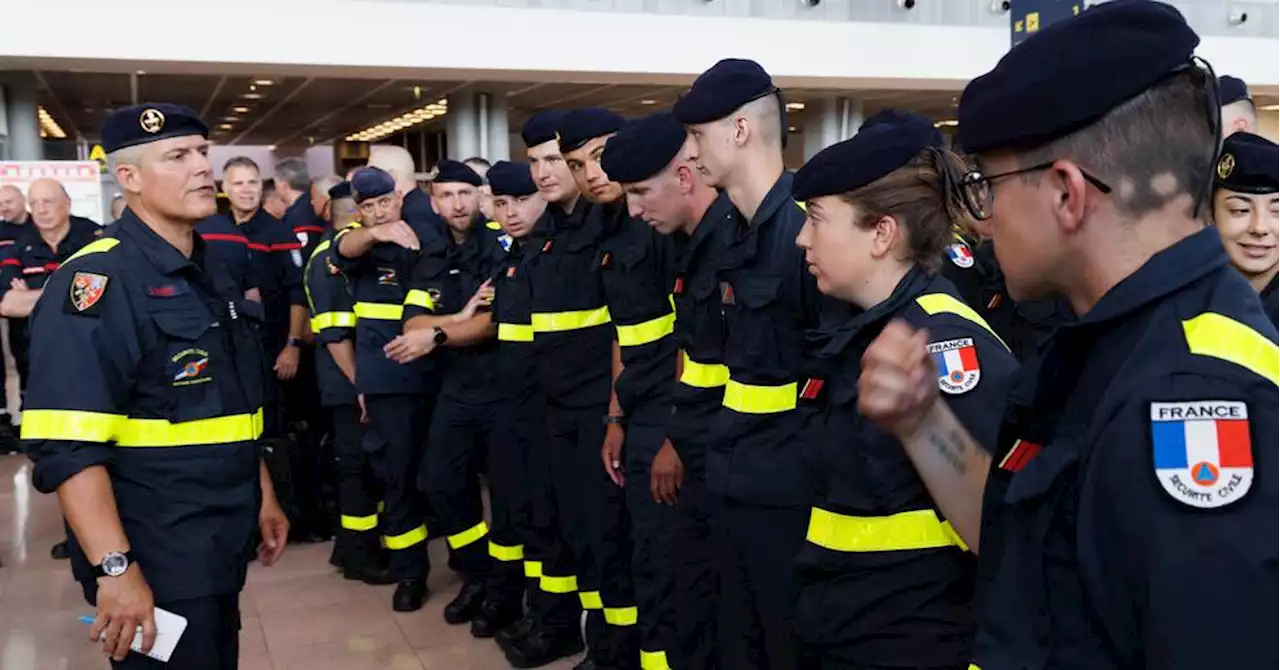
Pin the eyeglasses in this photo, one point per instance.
(979, 196)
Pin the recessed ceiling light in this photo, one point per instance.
(263, 82)
(230, 118)
(795, 106)
(142, 71)
(648, 102)
(271, 147)
(949, 123)
(240, 110)
(252, 96)
(225, 126)
(1269, 108)
(792, 129)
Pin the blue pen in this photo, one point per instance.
(87, 619)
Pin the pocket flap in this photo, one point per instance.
(756, 292)
(182, 323)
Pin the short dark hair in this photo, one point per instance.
(268, 187)
(1165, 130)
(294, 172)
(241, 161)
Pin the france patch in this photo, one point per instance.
(957, 361)
(505, 241)
(1202, 452)
(960, 255)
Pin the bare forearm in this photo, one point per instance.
(356, 243)
(297, 321)
(427, 322)
(466, 333)
(264, 478)
(18, 303)
(89, 504)
(344, 355)
(615, 408)
(954, 468)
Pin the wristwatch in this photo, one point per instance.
(612, 420)
(295, 342)
(440, 337)
(113, 564)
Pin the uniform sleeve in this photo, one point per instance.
(10, 267)
(333, 316)
(348, 266)
(286, 252)
(1177, 525)
(975, 371)
(426, 281)
(84, 356)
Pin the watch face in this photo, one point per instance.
(115, 564)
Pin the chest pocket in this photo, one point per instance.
(574, 261)
(191, 361)
(751, 312)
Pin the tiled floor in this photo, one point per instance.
(298, 615)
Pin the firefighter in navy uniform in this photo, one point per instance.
(1245, 204)
(227, 247)
(333, 321)
(886, 582)
(1136, 453)
(377, 256)
(439, 314)
(145, 409)
(755, 463)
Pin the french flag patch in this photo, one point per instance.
(1202, 452)
(960, 255)
(957, 361)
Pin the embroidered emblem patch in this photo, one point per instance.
(957, 361)
(387, 277)
(960, 255)
(511, 272)
(87, 289)
(505, 240)
(191, 367)
(302, 238)
(726, 294)
(1201, 451)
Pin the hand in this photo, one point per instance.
(482, 298)
(287, 362)
(899, 384)
(253, 295)
(411, 346)
(666, 474)
(274, 526)
(611, 453)
(18, 284)
(396, 232)
(364, 411)
(124, 603)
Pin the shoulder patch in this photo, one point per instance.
(960, 254)
(1202, 452)
(87, 289)
(505, 241)
(493, 225)
(957, 361)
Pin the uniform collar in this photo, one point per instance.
(166, 258)
(721, 209)
(1165, 273)
(837, 339)
(777, 196)
(303, 201)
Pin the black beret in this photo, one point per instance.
(871, 154)
(340, 190)
(728, 85)
(149, 122)
(893, 116)
(1072, 73)
(1248, 164)
(515, 179)
(1232, 89)
(643, 148)
(541, 127)
(448, 171)
(583, 125)
(371, 182)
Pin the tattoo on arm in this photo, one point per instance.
(953, 447)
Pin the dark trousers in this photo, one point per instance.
(652, 524)
(696, 582)
(358, 490)
(211, 640)
(461, 429)
(594, 524)
(400, 424)
(754, 550)
(305, 422)
(508, 507)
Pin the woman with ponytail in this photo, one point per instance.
(886, 580)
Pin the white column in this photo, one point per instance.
(499, 132)
(20, 99)
(462, 126)
(830, 120)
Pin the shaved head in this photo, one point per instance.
(396, 162)
(765, 117)
(50, 204)
(13, 205)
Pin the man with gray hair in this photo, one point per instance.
(293, 183)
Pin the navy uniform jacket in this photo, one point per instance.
(9, 232)
(278, 271)
(700, 332)
(573, 338)
(1022, 325)
(333, 320)
(513, 313)
(887, 580)
(769, 300)
(300, 219)
(442, 281)
(228, 253)
(140, 365)
(960, 267)
(32, 260)
(379, 282)
(1130, 513)
(637, 268)
(1269, 301)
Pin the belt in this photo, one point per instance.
(515, 332)
(702, 375)
(379, 311)
(556, 322)
(917, 529)
(72, 425)
(647, 332)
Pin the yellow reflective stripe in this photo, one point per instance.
(460, 540)
(328, 320)
(507, 553)
(95, 247)
(1218, 336)
(533, 569)
(702, 375)
(654, 660)
(559, 584)
(382, 506)
(937, 303)
(591, 600)
(917, 529)
(493, 225)
(515, 332)
(621, 616)
(804, 207)
(379, 311)
(405, 540)
(319, 250)
(58, 424)
(647, 332)
(419, 298)
(974, 666)
(750, 399)
(556, 322)
(359, 523)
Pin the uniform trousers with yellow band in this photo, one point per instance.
(359, 493)
(400, 424)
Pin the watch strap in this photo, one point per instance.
(100, 571)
